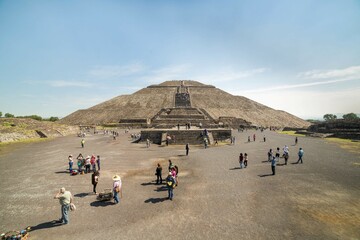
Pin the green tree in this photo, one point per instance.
(0, 114)
(35, 117)
(53, 119)
(9, 115)
(350, 116)
(329, 117)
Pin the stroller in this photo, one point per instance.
(16, 235)
(106, 195)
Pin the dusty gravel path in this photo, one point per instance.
(214, 200)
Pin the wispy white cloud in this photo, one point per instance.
(321, 77)
(69, 84)
(307, 104)
(116, 71)
(60, 83)
(301, 85)
(227, 75)
(346, 73)
(187, 72)
(174, 72)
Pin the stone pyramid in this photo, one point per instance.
(179, 102)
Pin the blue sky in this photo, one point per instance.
(302, 57)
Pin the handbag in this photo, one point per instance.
(72, 207)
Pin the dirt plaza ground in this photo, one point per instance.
(214, 200)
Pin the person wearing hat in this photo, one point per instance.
(117, 188)
(170, 183)
(71, 162)
(65, 198)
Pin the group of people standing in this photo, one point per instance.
(243, 160)
(85, 165)
(171, 180)
(276, 158)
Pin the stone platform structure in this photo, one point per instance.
(191, 136)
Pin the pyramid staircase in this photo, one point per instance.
(182, 113)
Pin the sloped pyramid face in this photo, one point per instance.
(175, 102)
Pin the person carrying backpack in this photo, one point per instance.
(170, 184)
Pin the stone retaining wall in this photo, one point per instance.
(184, 136)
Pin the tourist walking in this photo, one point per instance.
(158, 173)
(71, 162)
(87, 164)
(93, 162)
(286, 157)
(170, 184)
(171, 165)
(273, 165)
(187, 149)
(117, 188)
(241, 160)
(98, 162)
(245, 160)
(277, 154)
(296, 140)
(300, 154)
(270, 155)
(147, 143)
(264, 139)
(65, 198)
(248, 138)
(82, 143)
(95, 179)
(254, 137)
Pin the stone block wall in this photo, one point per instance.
(184, 136)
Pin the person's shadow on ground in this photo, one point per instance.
(266, 175)
(149, 183)
(81, 195)
(235, 168)
(155, 200)
(44, 225)
(161, 189)
(101, 203)
(62, 172)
